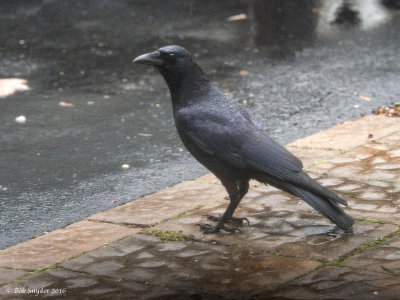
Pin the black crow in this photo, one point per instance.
(220, 134)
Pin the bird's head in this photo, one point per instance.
(168, 58)
(176, 65)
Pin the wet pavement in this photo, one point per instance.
(151, 248)
(294, 65)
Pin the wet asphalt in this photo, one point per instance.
(297, 66)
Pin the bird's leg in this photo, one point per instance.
(207, 228)
(235, 195)
(243, 189)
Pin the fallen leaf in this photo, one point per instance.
(237, 17)
(389, 111)
(365, 98)
(244, 72)
(65, 104)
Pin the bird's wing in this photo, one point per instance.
(263, 153)
(242, 145)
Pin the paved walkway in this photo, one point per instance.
(151, 248)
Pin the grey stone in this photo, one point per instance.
(340, 283)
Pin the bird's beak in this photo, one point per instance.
(153, 58)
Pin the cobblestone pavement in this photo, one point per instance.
(151, 248)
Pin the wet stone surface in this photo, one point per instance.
(283, 224)
(341, 283)
(370, 161)
(385, 258)
(74, 285)
(61, 244)
(6, 275)
(351, 134)
(310, 157)
(393, 139)
(190, 267)
(170, 202)
(370, 199)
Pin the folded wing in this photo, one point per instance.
(245, 146)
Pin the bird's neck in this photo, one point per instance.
(186, 85)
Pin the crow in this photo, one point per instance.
(220, 134)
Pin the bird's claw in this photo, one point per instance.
(213, 218)
(207, 228)
(233, 219)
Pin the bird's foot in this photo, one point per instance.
(233, 219)
(207, 228)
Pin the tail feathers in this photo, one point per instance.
(304, 180)
(325, 206)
